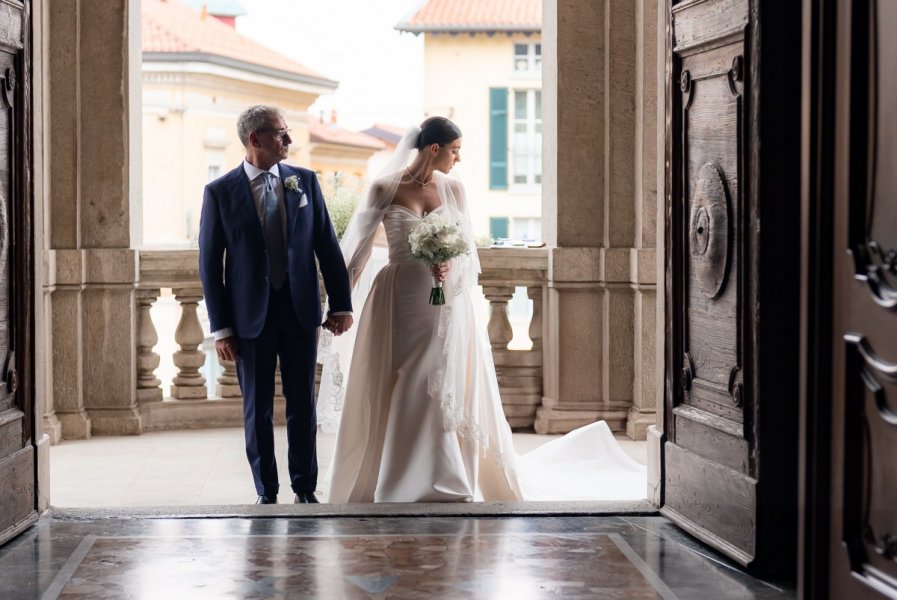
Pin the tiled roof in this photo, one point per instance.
(391, 134)
(323, 133)
(475, 15)
(170, 27)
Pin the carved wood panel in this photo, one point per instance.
(733, 155)
(864, 413)
(17, 448)
(707, 147)
(8, 372)
(711, 83)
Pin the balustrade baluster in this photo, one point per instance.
(228, 385)
(189, 384)
(535, 325)
(278, 381)
(149, 387)
(500, 331)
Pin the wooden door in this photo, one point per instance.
(18, 500)
(858, 446)
(732, 276)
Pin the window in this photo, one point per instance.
(214, 163)
(498, 228)
(526, 145)
(526, 229)
(528, 57)
(212, 172)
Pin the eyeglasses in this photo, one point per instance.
(279, 133)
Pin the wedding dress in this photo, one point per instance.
(414, 395)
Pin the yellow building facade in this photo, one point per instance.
(338, 151)
(190, 138)
(486, 76)
(193, 92)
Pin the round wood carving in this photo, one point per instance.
(709, 231)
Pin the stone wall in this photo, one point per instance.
(599, 214)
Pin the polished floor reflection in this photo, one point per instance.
(516, 558)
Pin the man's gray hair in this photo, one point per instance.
(255, 118)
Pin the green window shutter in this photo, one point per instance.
(498, 227)
(498, 138)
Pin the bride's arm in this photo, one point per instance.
(365, 228)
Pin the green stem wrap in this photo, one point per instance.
(437, 296)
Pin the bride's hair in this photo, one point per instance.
(437, 130)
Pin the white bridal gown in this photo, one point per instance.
(394, 444)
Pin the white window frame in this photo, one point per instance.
(219, 171)
(533, 59)
(532, 224)
(534, 147)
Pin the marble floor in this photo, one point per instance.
(514, 558)
(190, 467)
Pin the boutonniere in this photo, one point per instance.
(292, 183)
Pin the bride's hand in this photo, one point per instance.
(439, 271)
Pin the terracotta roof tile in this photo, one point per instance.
(331, 134)
(476, 15)
(172, 27)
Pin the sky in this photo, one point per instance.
(379, 69)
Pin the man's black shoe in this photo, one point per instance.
(266, 500)
(305, 498)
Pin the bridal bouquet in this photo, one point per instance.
(436, 240)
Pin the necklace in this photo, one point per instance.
(416, 180)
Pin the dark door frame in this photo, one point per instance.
(20, 376)
(817, 281)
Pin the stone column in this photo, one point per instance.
(48, 429)
(92, 51)
(643, 263)
(589, 212)
(64, 308)
(62, 276)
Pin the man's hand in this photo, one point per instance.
(338, 324)
(227, 348)
(439, 272)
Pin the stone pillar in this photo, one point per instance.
(62, 267)
(591, 214)
(93, 193)
(67, 390)
(643, 263)
(48, 429)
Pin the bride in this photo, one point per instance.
(416, 401)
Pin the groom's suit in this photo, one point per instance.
(270, 320)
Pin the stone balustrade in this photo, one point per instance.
(189, 404)
(519, 371)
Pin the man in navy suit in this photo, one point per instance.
(262, 226)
